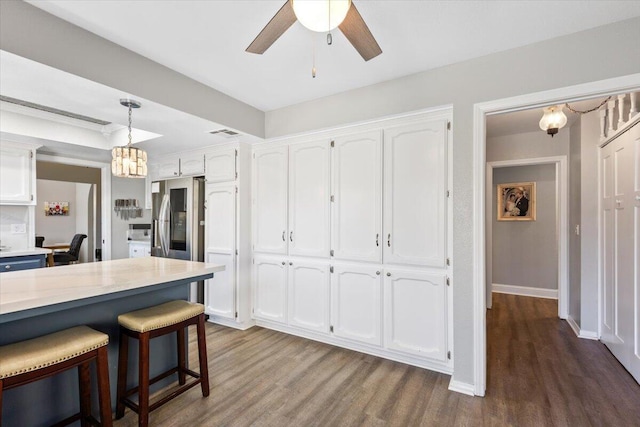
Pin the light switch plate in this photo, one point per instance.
(18, 228)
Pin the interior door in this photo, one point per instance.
(415, 194)
(270, 200)
(309, 199)
(356, 186)
(220, 248)
(309, 295)
(634, 366)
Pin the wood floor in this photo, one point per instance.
(539, 374)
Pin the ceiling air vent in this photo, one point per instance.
(53, 110)
(227, 133)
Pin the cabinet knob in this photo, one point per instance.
(377, 273)
(388, 274)
(7, 267)
(283, 263)
(290, 263)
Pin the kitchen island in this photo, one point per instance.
(41, 301)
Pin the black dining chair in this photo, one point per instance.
(70, 256)
(39, 241)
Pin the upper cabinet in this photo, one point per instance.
(17, 174)
(174, 167)
(221, 166)
(356, 208)
(309, 199)
(270, 200)
(415, 194)
(169, 168)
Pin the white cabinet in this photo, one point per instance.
(415, 194)
(221, 165)
(220, 248)
(356, 303)
(356, 185)
(270, 289)
(17, 174)
(270, 200)
(139, 249)
(309, 203)
(192, 165)
(152, 175)
(169, 168)
(309, 295)
(415, 308)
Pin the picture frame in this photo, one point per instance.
(56, 208)
(515, 197)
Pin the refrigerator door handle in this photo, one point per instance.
(165, 208)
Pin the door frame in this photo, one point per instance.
(105, 185)
(624, 84)
(562, 221)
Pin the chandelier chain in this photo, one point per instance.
(129, 125)
(587, 111)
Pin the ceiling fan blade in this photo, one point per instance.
(356, 31)
(280, 22)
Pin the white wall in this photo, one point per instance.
(56, 229)
(575, 165)
(14, 215)
(525, 253)
(125, 188)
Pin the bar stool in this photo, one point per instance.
(35, 359)
(173, 316)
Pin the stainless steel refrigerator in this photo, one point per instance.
(178, 223)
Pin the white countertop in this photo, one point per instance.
(24, 252)
(29, 289)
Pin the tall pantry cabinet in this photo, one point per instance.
(351, 238)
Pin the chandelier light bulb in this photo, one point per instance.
(321, 15)
(553, 120)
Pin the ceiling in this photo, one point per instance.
(206, 40)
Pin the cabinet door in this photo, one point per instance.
(415, 194)
(221, 165)
(357, 197)
(270, 289)
(309, 295)
(270, 201)
(309, 199)
(356, 303)
(220, 248)
(415, 307)
(170, 168)
(15, 175)
(192, 165)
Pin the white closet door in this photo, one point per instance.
(309, 202)
(356, 310)
(221, 165)
(220, 248)
(416, 313)
(415, 194)
(270, 201)
(270, 289)
(309, 295)
(356, 171)
(634, 366)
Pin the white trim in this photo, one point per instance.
(623, 84)
(587, 335)
(524, 291)
(243, 326)
(105, 183)
(562, 218)
(460, 387)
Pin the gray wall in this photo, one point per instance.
(575, 165)
(525, 253)
(56, 229)
(125, 188)
(578, 58)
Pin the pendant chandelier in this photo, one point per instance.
(554, 119)
(129, 162)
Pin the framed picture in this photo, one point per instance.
(517, 201)
(56, 208)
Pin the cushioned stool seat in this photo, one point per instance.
(38, 358)
(173, 316)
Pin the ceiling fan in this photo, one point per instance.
(321, 16)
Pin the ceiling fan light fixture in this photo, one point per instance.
(321, 15)
(553, 119)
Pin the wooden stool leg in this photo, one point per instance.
(84, 380)
(182, 379)
(104, 391)
(123, 359)
(202, 356)
(1, 388)
(143, 380)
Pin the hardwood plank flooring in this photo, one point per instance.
(539, 374)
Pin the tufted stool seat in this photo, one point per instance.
(173, 316)
(38, 358)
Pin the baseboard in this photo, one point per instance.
(524, 291)
(460, 387)
(232, 323)
(587, 335)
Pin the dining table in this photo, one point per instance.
(54, 248)
(42, 301)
